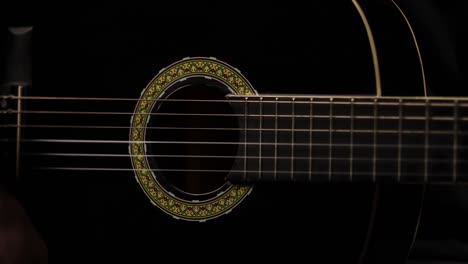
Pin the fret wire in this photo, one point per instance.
(310, 139)
(330, 139)
(260, 146)
(400, 125)
(245, 136)
(276, 138)
(351, 141)
(426, 141)
(292, 141)
(374, 142)
(455, 142)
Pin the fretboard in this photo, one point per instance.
(349, 139)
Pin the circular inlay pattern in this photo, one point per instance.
(193, 210)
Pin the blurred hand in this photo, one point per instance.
(19, 241)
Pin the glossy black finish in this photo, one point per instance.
(281, 49)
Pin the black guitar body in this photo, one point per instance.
(319, 48)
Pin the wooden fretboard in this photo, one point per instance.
(348, 139)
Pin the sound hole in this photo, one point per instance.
(185, 162)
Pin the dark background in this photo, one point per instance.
(114, 50)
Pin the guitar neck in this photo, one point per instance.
(348, 139)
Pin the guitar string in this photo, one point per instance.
(95, 141)
(171, 142)
(381, 131)
(316, 158)
(389, 117)
(362, 173)
(324, 116)
(310, 159)
(326, 98)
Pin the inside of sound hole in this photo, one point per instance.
(182, 163)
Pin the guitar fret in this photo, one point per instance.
(455, 142)
(374, 157)
(426, 141)
(400, 125)
(260, 140)
(245, 137)
(330, 139)
(351, 141)
(292, 140)
(310, 139)
(276, 140)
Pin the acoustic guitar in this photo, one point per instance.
(247, 152)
